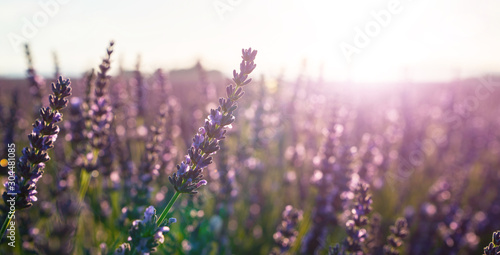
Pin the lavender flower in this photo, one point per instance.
(102, 116)
(355, 227)
(395, 240)
(494, 247)
(31, 164)
(101, 109)
(286, 232)
(188, 177)
(145, 235)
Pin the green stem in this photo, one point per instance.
(169, 205)
(84, 184)
(4, 226)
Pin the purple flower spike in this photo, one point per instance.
(188, 177)
(31, 165)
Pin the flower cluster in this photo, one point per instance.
(188, 177)
(145, 235)
(494, 247)
(355, 227)
(31, 164)
(286, 232)
(398, 232)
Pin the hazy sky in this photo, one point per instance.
(358, 40)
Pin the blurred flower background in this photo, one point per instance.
(152, 127)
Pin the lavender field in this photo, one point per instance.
(137, 163)
(156, 129)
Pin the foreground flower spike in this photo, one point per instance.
(395, 240)
(188, 177)
(45, 130)
(286, 232)
(494, 247)
(145, 236)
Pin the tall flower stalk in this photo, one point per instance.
(101, 109)
(99, 118)
(31, 164)
(188, 178)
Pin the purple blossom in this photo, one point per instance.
(286, 232)
(145, 236)
(188, 177)
(30, 166)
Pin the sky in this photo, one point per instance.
(365, 41)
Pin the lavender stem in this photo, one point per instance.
(169, 205)
(4, 226)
